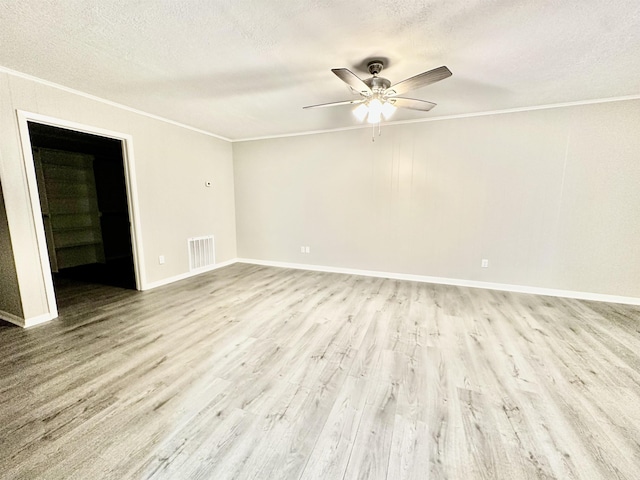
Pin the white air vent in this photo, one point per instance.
(202, 252)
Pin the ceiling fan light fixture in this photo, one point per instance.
(374, 110)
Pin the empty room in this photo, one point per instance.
(320, 240)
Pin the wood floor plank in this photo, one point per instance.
(333, 448)
(253, 372)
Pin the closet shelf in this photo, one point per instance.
(79, 244)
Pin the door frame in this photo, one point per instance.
(34, 199)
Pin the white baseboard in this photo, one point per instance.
(182, 276)
(33, 321)
(598, 297)
(11, 318)
(28, 322)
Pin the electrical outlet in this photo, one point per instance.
(301, 249)
(161, 259)
(485, 263)
(307, 250)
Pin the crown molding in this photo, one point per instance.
(89, 96)
(314, 132)
(449, 117)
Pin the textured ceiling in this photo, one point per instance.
(244, 69)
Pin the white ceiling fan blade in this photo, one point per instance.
(411, 103)
(418, 81)
(351, 79)
(334, 104)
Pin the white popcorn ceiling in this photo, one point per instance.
(244, 69)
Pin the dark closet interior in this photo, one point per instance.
(82, 188)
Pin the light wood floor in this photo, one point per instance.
(252, 372)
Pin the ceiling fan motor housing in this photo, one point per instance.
(377, 84)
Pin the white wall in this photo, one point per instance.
(172, 164)
(10, 304)
(550, 197)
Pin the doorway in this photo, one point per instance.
(77, 136)
(83, 199)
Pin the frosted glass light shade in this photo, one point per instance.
(361, 111)
(388, 110)
(375, 111)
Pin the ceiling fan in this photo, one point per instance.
(378, 98)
